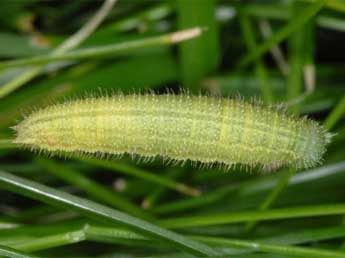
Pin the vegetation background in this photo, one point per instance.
(289, 52)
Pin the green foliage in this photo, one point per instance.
(123, 208)
(200, 56)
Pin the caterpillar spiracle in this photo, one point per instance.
(207, 130)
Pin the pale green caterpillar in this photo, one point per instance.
(203, 129)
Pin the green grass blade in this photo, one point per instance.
(97, 211)
(270, 248)
(335, 115)
(108, 51)
(274, 214)
(331, 23)
(307, 236)
(12, 253)
(336, 5)
(112, 235)
(283, 33)
(47, 242)
(200, 56)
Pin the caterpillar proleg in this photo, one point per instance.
(207, 130)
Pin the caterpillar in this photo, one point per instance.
(202, 129)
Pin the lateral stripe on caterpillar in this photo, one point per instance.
(177, 127)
